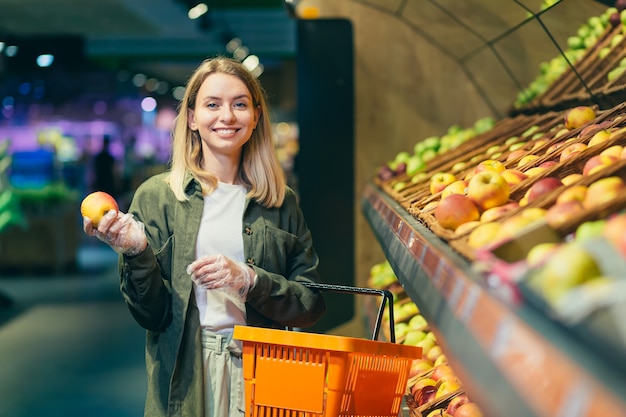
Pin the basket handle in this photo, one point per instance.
(387, 299)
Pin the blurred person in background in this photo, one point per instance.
(104, 169)
(216, 241)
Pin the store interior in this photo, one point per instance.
(352, 85)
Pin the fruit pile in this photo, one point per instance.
(433, 388)
(596, 40)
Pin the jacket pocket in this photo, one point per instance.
(278, 247)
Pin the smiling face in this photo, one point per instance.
(225, 117)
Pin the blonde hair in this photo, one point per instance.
(259, 169)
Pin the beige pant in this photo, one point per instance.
(223, 376)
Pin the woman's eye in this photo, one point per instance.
(211, 105)
(241, 105)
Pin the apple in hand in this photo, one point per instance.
(440, 180)
(488, 189)
(454, 210)
(95, 205)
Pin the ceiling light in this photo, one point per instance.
(197, 11)
(45, 60)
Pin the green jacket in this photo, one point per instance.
(159, 292)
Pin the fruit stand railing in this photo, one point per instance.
(513, 360)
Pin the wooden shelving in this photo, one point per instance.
(513, 360)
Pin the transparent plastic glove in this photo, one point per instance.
(120, 231)
(217, 271)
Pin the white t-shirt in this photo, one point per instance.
(220, 233)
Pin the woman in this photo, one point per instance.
(217, 241)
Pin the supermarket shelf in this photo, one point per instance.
(513, 360)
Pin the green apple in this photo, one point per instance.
(589, 230)
(418, 322)
(568, 267)
(413, 337)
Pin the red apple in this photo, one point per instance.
(440, 180)
(488, 189)
(548, 164)
(442, 371)
(421, 383)
(517, 153)
(603, 190)
(542, 187)
(560, 213)
(494, 213)
(579, 116)
(571, 150)
(598, 162)
(454, 210)
(425, 395)
(469, 409)
(513, 176)
(96, 205)
(456, 402)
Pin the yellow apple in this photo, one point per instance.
(573, 193)
(571, 178)
(540, 252)
(466, 227)
(531, 172)
(95, 205)
(483, 235)
(457, 187)
(490, 165)
(440, 180)
(599, 137)
(579, 116)
(603, 190)
(526, 159)
(488, 189)
(615, 150)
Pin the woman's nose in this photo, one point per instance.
(227, 114)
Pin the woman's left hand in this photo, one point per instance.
(217, 271)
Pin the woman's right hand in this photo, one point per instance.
(120, 231)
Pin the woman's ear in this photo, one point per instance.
(191, 120)
(257, 116)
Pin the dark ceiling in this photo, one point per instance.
(153, 36)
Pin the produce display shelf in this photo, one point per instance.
(513, 360)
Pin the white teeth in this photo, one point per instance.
(225, 131)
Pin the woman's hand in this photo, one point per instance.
(120, 231)
(217, 271)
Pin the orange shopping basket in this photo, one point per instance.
(292, 373)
